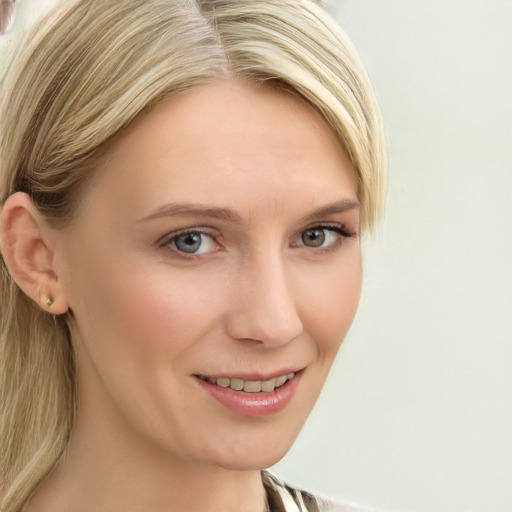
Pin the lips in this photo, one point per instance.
(249, 385)
(252, 396)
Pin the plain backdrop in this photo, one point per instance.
(417, 413)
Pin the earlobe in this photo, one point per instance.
(28, 252)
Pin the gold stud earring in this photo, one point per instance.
(49, 302)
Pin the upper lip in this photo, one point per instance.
(253, 375)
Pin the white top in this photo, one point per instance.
(283, 498)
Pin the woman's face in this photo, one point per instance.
(218, 247)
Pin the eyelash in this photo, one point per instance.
(338, 229)
(167, 240)
(341, 230)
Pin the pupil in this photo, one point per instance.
(313, 237)
(189, 243)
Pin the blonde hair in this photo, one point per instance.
(87, 71)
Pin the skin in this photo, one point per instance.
(6, 16)
(147, 318)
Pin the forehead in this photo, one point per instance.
(226, 142)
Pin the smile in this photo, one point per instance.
(252, 396)
(249, 386)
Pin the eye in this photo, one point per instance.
(192, 242)
(323, 237)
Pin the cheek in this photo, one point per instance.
(332, 304)
(173, 311)
(142, 310)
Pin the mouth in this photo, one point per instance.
(251, 396)
(249, 386)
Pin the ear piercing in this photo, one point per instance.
(49, 302)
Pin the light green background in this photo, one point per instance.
(417, 415)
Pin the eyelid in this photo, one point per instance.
(340, 229)
(202, 230)
(165, 241)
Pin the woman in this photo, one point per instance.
(183, 186)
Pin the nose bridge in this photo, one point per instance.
(264, 308)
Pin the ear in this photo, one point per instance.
(27, 244)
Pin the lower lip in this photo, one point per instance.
(253, 404)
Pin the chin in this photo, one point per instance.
(253, 452)
(251, 463)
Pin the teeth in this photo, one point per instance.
(237, 384)
(250, 386)
(281, 380)
(223, 382)
(268, 385)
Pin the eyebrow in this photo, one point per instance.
(174, 210)
(333, 208)
(225, 214)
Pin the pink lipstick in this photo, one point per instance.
(252, 396)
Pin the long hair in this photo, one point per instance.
(88, 70)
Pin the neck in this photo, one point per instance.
(104, 469)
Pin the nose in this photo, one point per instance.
(263, 305)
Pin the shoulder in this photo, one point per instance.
(285, 498)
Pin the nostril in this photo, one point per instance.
(263, 304)
(270, 329)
